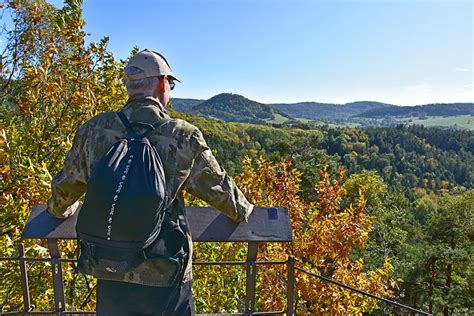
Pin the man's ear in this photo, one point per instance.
(159, 87)
(161, 83)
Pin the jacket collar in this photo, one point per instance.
(141, 99)
(138, 100)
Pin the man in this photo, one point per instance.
(161, 285)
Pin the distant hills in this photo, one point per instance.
(440, 109)
(236, 108)
(233, 108)
(329, 111)
(185, 105)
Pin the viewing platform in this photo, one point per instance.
(206, 225)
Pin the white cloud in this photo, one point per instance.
(461, 69)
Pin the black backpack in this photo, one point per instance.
(124, 206)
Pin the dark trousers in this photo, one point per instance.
(120, 298)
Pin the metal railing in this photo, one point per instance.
(250, 265)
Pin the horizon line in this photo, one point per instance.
(331, 103)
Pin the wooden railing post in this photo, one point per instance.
(24, 279)
(251, 277)
(290, 296)
(57, 271)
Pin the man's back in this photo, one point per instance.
(161, 281)
(187, 161)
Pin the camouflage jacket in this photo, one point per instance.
(188, 164)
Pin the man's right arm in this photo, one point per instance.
(70, 183)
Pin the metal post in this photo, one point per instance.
(290, 296)
(57, 271)
(24, 279)
(251, 280)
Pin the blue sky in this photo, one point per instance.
(399, 51)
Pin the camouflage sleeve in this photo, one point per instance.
(209, 182)
(70, 183)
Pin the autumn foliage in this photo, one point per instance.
(51, 82)
(59, 82)
(324, 237)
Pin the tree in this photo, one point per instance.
(325, 235)
(448, 261)
(431, 246)
(53, 82)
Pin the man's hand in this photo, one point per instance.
(70, 210)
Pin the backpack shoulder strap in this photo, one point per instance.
(157, 125)
(125, 121)
(161, 122)
(150, 127)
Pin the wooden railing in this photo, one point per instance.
(206, 225)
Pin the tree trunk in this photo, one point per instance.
(447, 285)
(432, 281)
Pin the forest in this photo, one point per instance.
(386, 210)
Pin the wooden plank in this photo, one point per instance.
(265, 224)
(42, 225)
(206, 224)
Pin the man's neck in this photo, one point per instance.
(143, 98)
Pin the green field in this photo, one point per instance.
(303, 120)
(278, 119)
(462, 121)
(330, 124)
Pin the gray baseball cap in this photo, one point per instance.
(152, 63)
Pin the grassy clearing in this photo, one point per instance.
(461, 121)
(338, 124)
(278, 118)
(303, 120)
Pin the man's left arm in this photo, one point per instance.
(71, 182)
(211, 183)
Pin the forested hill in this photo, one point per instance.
(185, 105)
(306, 110)
(236, 108)
(412, 157)
(421, 166)
(329, 111)
(441, 109)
